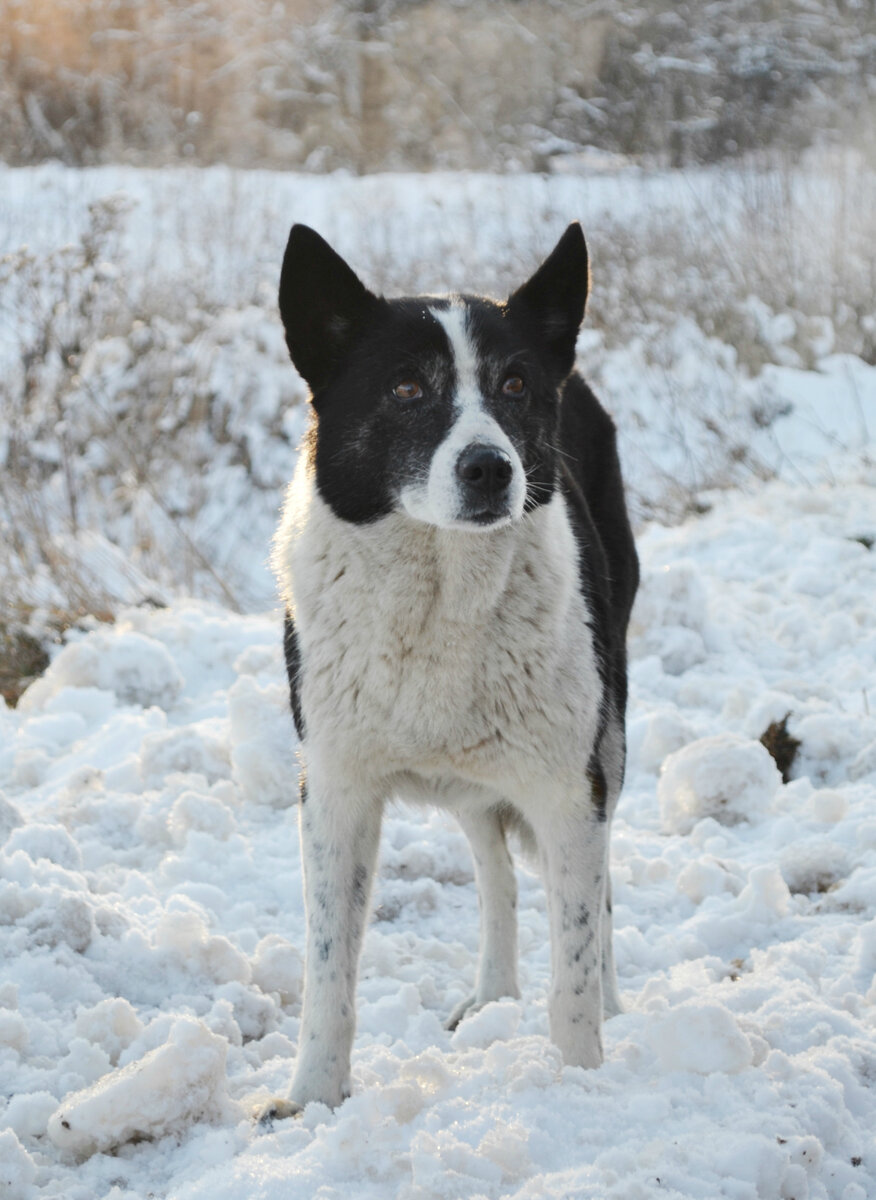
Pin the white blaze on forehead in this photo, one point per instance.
(437, 499)
(454, 321)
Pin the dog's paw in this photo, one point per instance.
(276, 1109)
(467, 1008)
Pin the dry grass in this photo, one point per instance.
(385, 84)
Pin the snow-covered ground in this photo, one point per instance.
(152, 918)
(150, 887)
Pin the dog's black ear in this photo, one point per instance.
(324, 305)
(554, 298)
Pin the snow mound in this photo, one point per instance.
(178, 1084)
(17, 1168)
(139, 669)
(727, 777)
(10, 818)
(497, 1021)
(655, 735)
(13, 1031)
(813, 866)
(700, 1038)
(262, 742)
(112, 1024)
(670, 617)
(45, 841)
(278, 967)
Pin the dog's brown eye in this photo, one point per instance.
(513, 386)
(408, 389)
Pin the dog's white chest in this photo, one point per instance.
(441, 652)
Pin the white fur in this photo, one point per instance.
(455, 667)
(437, 501)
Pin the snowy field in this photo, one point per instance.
(160, 414)
(150, 887)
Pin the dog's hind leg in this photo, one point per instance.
(609, 778)
(611, 1001)
(497, 899)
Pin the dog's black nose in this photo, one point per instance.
(485, 470)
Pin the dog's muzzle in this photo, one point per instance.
(485, 474)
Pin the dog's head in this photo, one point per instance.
(444, 407)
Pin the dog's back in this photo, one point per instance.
(591, 475)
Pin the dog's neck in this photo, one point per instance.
(409, 566)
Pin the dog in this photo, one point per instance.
(457, 568)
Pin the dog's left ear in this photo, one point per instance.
(554, 298)
(324, 305)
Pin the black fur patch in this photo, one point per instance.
(369, 443)
(292, 652)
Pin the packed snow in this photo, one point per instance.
(150, 883)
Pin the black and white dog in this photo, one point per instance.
(458, 569)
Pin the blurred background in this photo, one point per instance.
(154, 154)
(377, 85)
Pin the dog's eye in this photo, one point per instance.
(513, 386)
(408, 389)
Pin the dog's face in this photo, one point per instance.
(443, 407)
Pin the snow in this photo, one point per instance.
(150, 885)
(728, 777)
(168, 1089)
(151, 901)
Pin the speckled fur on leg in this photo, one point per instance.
(572, 848)
(339, 839)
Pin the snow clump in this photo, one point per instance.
(700, 1038)
(137, 668)
(162, 1093)
(670, 617)
(17, 1168)
(727, 777)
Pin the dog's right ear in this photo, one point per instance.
(324, 305)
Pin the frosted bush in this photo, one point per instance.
(726, 777)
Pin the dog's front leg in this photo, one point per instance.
(340, 833)
(572, 848)
(497, 900)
